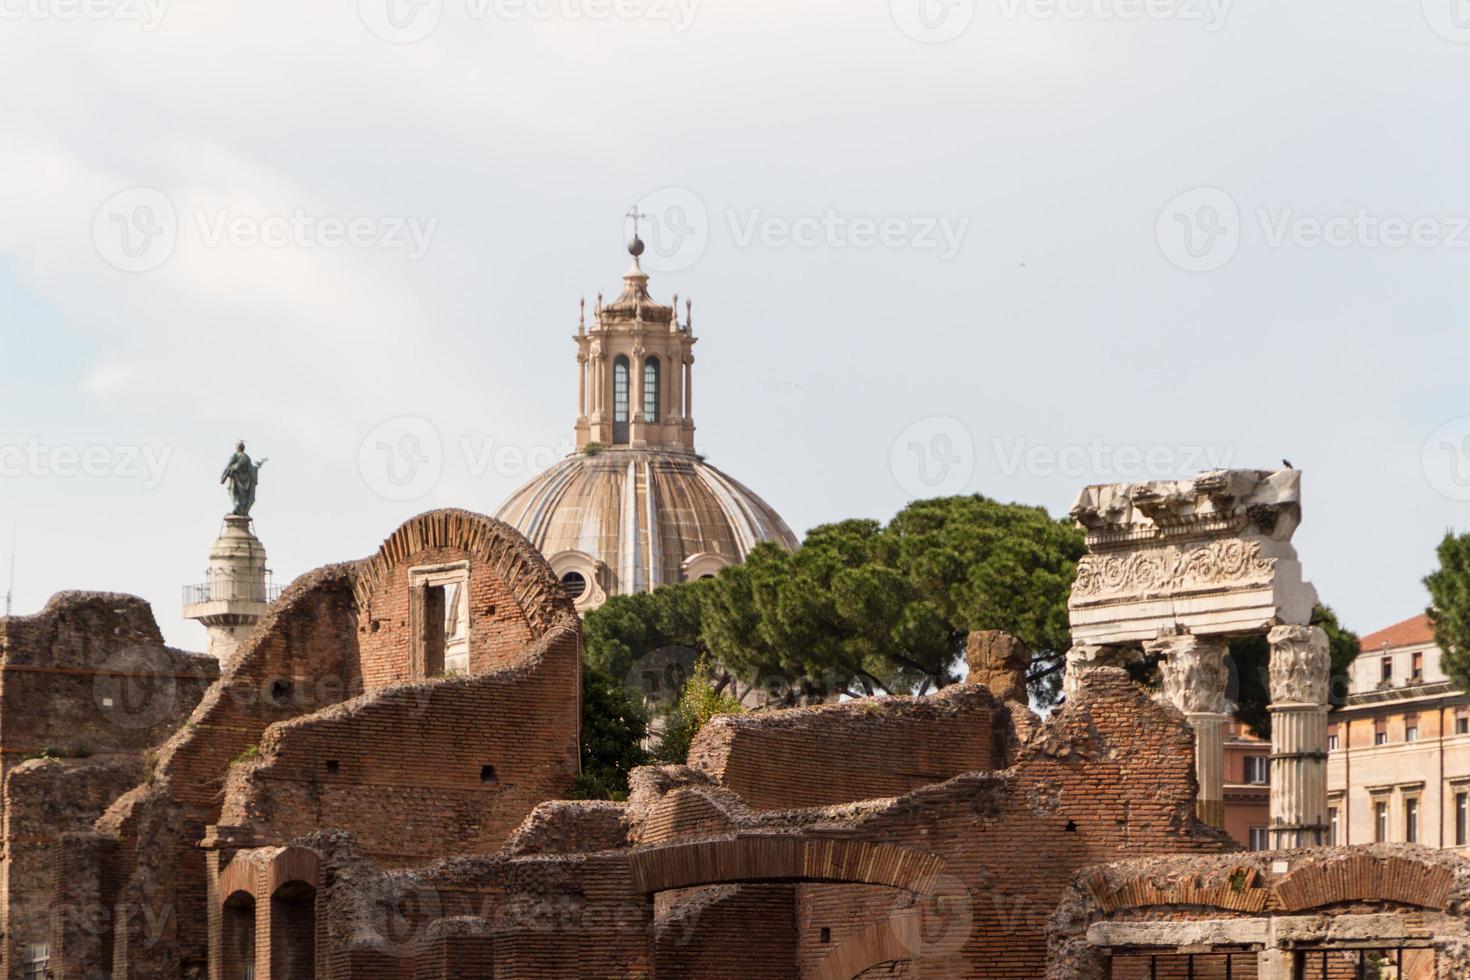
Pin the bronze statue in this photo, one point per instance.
(243, 475)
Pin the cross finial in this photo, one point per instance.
(637, 216)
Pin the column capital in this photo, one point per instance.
(1301, 665)
(1195, 677)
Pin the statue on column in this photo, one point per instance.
(242, 475)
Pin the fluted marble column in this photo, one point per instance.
(1196, 682)
(1300, 675)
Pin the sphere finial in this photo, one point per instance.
(635, 247)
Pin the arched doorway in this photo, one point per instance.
(935, 927)
(238, 937)
(293, 932)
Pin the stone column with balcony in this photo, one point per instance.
(236, 592)
(1300, 676)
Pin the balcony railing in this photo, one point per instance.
(227, 590)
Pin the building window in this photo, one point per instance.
(1380, 737)
(1334, 825)
(36, 962)
(1416, 671)
(1260, 840)
(1385, 670)
(1332, 742)
(1462, 818)
(575, 583)
(1411, 820)
(1257, 770)
(1411, 732)
(620, 400)
(651, 389)
(1380, 821)
(1462, 724)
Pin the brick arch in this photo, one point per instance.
(757, 857)
(1246, 888)
(525, 573)
(881, 942)
(1364, 877)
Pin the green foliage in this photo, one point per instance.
(628, 627)
(592, 448)
(1251, 676)
(613, 730)
(887, 608)
(251, 752)
(697, 704)
(57, 752)
(862, 607)
(1449, 612)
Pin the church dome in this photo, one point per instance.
(635, 507)
(618, 521)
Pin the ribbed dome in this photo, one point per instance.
(629, 520)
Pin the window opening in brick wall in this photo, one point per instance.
(487, 774)
(442, 614)
(1365, 964)
(1184, 966)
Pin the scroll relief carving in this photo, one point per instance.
(1230, 563)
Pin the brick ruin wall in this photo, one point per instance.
(422, 771)
(499, 630)
(844, 752)
(87, 686)
(1329, 897)
(417, 771)
(1106, 778)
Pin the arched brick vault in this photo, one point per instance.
(764, 857)
(885, 941)
(1245, 887)
(260, 874)
(751, 858)
(522, 568)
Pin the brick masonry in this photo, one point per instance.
(328, 809)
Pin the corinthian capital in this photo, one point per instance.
(1301, 665)
(1193, 671)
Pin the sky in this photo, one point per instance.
(1008, 247)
